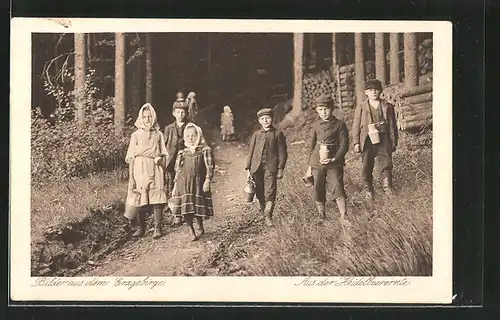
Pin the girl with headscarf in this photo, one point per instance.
(226, 123)
(146, 156)
(194, 167)
(192, 107)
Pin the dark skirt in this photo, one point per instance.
(189, 197)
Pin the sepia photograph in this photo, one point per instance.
(317, 158)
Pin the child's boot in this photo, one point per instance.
(369, 193)
(268, 212)
(344, 219)
(262, 205)
(321, 209)
(158, 211)
(387, 184)
(199, 222)
(141, 219)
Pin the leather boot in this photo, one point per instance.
(369, 193)
(387, 184)
(141, 219)
(158, 211)
(262, 207)
(268, 213)
(199, 222)
(321, 209)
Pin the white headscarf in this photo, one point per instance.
(191, 95)
(227, 109)
(154, 123)
(200, 141)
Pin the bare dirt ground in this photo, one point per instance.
(235, 228)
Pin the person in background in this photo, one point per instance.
(194, 168)
(192, 107)
(380, 114)
(147, 154)
(179, 96)
(226, 124)
(266, 162)
(174, 141)
(331, 135)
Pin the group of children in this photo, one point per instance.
(328, 145)
(176, 167)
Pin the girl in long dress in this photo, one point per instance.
(226, 124)
(146, 156)
(191, 196)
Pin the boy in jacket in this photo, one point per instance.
(174, 141)
(331, 133)
(266, 162)
(375, 110)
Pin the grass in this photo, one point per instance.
(389, 236)
(72, 200)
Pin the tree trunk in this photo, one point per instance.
(335, 70)
(380, 57)
(149, 69)
(394, 58)
(119, 82)
(298, 52)
(359, 67)
(80, 67)
(411, 60)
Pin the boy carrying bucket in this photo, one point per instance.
(266, 162)
(375, 135)
(328, 144)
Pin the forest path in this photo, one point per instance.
(174, 254)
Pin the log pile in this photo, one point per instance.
(325, 82)
(414, 107)
(425, 56)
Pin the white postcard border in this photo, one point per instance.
(434, 289)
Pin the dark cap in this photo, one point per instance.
(324, 101)
(265, 112)
(373, 84)
(180, 104)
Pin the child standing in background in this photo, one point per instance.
(194, 168)
(146, 156)
(192, 107)
(226, 123)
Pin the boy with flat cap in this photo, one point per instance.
(174, 141)
(375, 110)
(331, 134)
(266, 162)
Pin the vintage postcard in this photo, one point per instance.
(281, 161)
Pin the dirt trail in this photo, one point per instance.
(174, 254)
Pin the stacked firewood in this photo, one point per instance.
(425, 56)
(316, 85)
(414, 108)
(325, 82)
